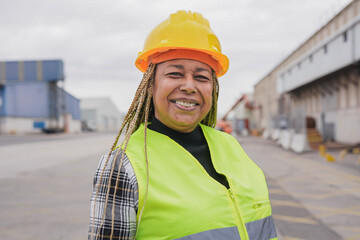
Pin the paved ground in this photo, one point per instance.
(311, 198)
(45, 185)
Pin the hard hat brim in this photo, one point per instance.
(142, 61)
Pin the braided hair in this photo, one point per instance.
(140, 112)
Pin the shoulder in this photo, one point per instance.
(110, 164)
(115, 184)
(228, 146)
(113, 160)
(218, 134)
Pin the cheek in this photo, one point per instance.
(156, 97)
(160, 93)
(208, 95)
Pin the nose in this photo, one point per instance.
(188, 85)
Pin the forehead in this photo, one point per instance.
(184, 64)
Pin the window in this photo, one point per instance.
(311, 58)
(299, 65)
(325, 49)
(345, 36)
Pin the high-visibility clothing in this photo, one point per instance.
(183, 30)
(184, 202)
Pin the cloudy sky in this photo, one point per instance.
(99, 40)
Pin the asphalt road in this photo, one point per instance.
(311, 198)
(46, 182)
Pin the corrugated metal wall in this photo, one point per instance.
(45, 100)
(2, 100)
(24, 71)
(27, 100)
(30, 89)
(72, 106)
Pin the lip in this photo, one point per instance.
(185, 100)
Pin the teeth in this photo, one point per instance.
(185, 104)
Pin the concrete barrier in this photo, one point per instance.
(266, 134)
(299, 143)
(285, 138)
(278, 141)
(275, 134)
(245, 132)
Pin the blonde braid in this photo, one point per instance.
(210, 118)
(131, 124)
(137, 114)
(147, 111)
(127, 138)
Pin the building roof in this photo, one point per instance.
(349, 5)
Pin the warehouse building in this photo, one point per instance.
(100, 114)
(32, 98)
(315, 91)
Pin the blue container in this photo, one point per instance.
(40, 125)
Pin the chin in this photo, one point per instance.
(186, 121)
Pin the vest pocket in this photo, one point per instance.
(261, 203)
(261, 225)
(258, 209)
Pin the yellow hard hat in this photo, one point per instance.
(183, 30)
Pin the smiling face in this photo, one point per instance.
(182, 93)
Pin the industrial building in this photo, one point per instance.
(314, 93)
(240, 115)
(100, 114)
(32, 98)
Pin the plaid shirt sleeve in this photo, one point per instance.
(126, 200)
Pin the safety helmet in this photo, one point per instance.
(187, 31)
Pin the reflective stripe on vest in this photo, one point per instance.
(230, 233)
(184, 202)
(266, 225)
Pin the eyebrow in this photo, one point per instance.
(176, 66)
(201, 69)
(181, 67)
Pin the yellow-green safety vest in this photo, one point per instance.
(185, 202)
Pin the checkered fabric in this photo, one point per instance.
(126, 200)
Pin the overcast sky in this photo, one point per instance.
(99, 40)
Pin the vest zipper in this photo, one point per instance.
(235, 204)
(233, 199)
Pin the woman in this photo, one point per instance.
(175, 176)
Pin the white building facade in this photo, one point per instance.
(100, 114)
(317, 86)
(325, 80)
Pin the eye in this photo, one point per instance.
(175, 74)
(202, 78)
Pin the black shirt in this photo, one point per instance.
(195, 143)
